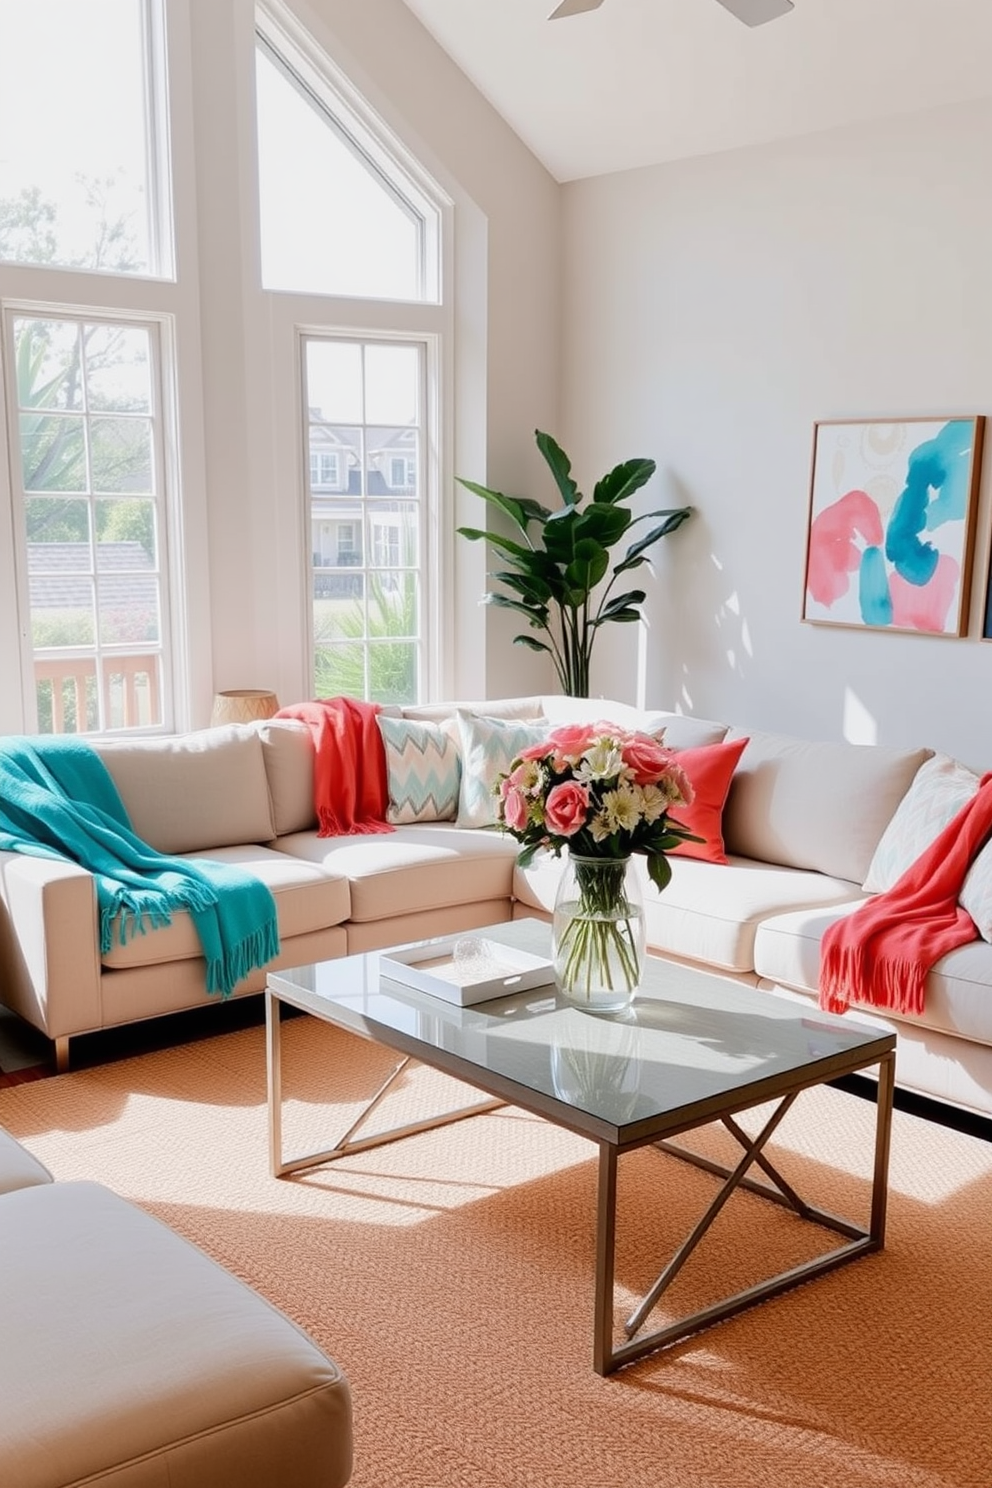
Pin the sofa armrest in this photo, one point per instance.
(49, 944)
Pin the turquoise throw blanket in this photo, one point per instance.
(57, 800)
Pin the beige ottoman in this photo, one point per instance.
(128, 1356)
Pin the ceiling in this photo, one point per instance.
(638, 82)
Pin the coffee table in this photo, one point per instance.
(694, 1048)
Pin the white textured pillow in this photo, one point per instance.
(489, 745)
(423, 769)
(976, 892)
(939, 789)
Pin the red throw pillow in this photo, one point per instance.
(710, 769)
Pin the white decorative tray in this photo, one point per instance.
(466, 969)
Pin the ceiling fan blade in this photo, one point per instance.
(573, 7)
(757, 12)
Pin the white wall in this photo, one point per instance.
(713, 310)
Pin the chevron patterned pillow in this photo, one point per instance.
(423, 768)
(940, 787)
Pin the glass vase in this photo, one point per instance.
(598, 933)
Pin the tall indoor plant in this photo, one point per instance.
(565, 556)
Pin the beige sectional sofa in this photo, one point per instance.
(131, 1358)
(801, 825)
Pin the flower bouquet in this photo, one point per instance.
(604, 793)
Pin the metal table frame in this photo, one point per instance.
(607, 1354)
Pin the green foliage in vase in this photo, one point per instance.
(555, 574)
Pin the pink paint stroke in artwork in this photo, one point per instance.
(834, 554)
(926, 606)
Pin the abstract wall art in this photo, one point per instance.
(891, 523)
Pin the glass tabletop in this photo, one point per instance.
(689, 1038)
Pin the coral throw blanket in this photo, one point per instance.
(881, 953)
(349, 775)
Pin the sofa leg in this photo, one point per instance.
(62, 1054)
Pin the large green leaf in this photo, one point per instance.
(538, 617)
(587, 567)
(607, 524)
(659, 870)
(513, 552)
(622, 602)
(531, 586)
(622, 481)
(532, 643)
(560, 466)
(520, 511)
(635, 553)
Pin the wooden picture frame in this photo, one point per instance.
(891, 523)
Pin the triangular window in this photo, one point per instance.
(341, 212)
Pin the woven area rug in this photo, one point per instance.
(450, 1274)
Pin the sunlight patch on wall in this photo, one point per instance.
(860, 726)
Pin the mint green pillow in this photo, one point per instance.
(489, 745)
(423, 770)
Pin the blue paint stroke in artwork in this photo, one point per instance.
(873, 589)
(942, 464)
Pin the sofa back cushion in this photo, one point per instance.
(815, 805)
(519, 707)
(681, 731)
(192, 792)
(287, 749)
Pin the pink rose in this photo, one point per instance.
(570, 743)
(646, 758)
(566, 808)
(534, 751)
(677, 786)
(514, 809)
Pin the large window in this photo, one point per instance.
(194, 494)
(340, 214)
(88, 466)
(367, 398)
(85, 258)
(83, 178)
(346, 213)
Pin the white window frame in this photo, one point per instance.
(163, 501)
(427, 503)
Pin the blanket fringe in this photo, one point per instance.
(224, 972)
(329, 826)
(851, 974)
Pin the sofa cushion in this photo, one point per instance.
(488, 747)
(423, 770)
(307, 898)
(815, 805)
(193, 792)
(956, 995)
(976, 893)
(519, 707)
(709, 912)
(415, 868)
(680, 731)
(937, 792)
(131, 1358)
(710, 769)
(288, 755)
(18, 1169)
